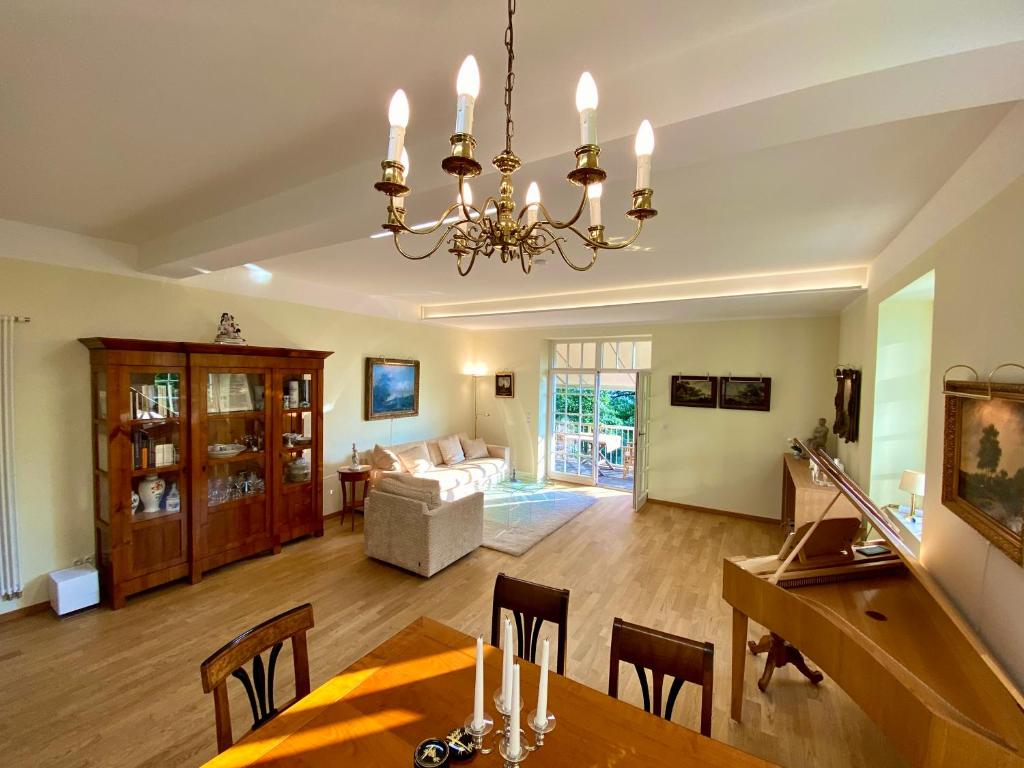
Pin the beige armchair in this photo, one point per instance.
(407, 525)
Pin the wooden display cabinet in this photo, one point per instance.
(167, 503)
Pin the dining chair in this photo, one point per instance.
(664, 654)
(249, 646)
(531, 605)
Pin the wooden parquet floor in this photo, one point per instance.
(119, 689)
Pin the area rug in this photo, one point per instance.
(517, 516)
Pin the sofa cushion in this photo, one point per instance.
(422, 484)
(385, 460)
(416, 459)
(451, 449)
(396, 487)
(474, 449)
(434, 452)
(483, 469)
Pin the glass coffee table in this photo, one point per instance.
(510, 503)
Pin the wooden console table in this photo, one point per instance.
(803, 499)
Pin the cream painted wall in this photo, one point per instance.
(979, 317)
(52, 390)
(729, 460)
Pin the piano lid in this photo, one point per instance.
(863, 503)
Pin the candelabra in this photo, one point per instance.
(470, 232)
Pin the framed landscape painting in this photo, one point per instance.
(694, 391)
(745, 393)
(392, 389)
(983, 461)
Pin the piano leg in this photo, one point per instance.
(781, 653)
(739, 661)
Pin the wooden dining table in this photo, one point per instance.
(419, 684)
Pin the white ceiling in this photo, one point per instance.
(792, 136)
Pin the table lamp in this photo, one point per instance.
(913, 483)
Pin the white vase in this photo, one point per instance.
(150, 491)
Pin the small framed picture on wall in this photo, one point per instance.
(694, 391)
(745, 393)
(504, 384)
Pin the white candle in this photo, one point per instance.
(513, 736)
(506, 668)
(594, 193)
(398, 116)
(586, 105)
(478, 691)
(644, 147)
(532, 198)
(542, 690)
(467, 86)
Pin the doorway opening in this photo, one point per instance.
(596, 428)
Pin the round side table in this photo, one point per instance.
(350, 477)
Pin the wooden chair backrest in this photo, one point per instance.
(664, 654)
(531, 605)
(229, 661)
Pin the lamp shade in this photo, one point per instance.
(912, 482)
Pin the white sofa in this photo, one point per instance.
(455, 480)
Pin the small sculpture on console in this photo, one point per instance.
(228, 331)
(819, 439)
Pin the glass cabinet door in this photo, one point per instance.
(296, 428)
(235, 435)
(155, 443)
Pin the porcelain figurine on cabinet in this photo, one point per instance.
(228, 331)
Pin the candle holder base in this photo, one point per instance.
(587, 171)
(540, 732)
(498, 705)
(642, 202)
(461, 162)
(393, 179)
(478, 735)
(511, 761)
(596, 234)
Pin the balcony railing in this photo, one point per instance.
(614, 440)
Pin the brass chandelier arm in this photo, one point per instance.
(550, 220)
(432, 251)
(594, 244)
(567, 260)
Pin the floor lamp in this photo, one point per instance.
(477, 371)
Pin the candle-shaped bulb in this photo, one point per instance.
(644, 146)
(468, 82)
(467, 85)
(532, 198)
(398, 116)
(398, 111)
(594, 194)
(586, 93)
(586, 105)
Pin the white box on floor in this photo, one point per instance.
(72, 589)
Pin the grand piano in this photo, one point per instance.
(879, 627)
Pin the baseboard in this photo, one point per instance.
(712, 511)
(329, 515)
(20, 613)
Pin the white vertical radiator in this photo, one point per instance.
(10, 565)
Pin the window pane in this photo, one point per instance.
(575, 355)
(561, 356)
(608, 354)
(590, 354)
(643, 354)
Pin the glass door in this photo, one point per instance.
(574, 412)
(158, 488)
(642, 446)
(230, 444)
(298, 470)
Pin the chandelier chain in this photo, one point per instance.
(510, 78)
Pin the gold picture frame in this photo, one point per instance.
(391, 389)
(982, 481)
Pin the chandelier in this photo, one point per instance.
(470, 232)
